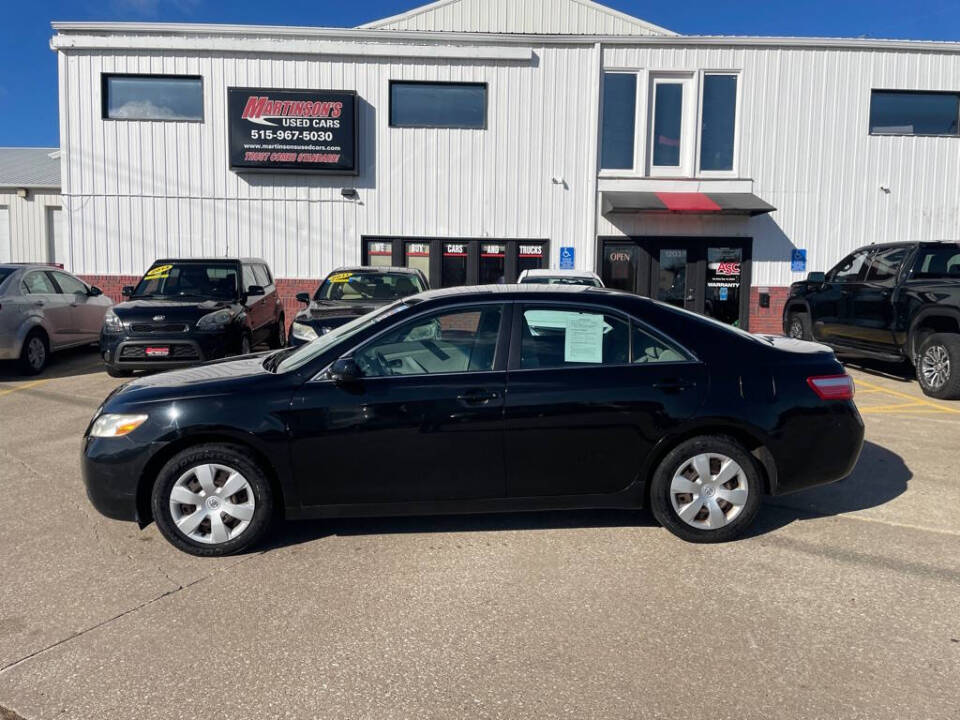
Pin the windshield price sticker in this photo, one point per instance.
(341, 277)
(160, 272)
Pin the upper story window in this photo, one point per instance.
(908, 112)
(619, 120)
(153, 97)
(718, 122)
(438, 105)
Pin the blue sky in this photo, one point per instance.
(28, 69)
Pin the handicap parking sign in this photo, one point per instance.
(798, 260)
(567, 255)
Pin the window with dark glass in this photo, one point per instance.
(453, 270)
(152, 97)
(898, 112)
(852, 268)
(718, 122)
(530, 256)
(619, 120)
(492, 263)
(885, 266)
(667, 124)
(940, 261)
(438, 105)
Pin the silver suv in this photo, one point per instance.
(44, 309)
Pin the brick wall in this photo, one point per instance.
(112, 285)
(768, 320)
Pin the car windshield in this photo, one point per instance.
(555, 280)
(5, 272)
(938, 262)
(295, 358)
(360, 286)
(217, 281)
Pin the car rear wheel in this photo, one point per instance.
(707, 489)
(798, 326)
(35, 353)
(212, 500)
(278, 336)
(938, 366)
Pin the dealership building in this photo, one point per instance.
(477, 138)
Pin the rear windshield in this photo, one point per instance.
(4, 274)
(541, 280)
(366, 286)
(217, 281)
(938, 262)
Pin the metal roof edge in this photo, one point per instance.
(418, 36)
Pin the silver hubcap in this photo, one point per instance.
(708, 491)
(36, 353)
(935, 367)
(212, 504)
(796, 330)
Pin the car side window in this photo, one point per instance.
(852, 268)
(262, 275)
(552, 337)
(451, 341)
(69, 285)
(648, 348)
(248, 277)
(37, 283)
(886, 266)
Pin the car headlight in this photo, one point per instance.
(111, 323)
(302, 331)
(112, 425)
(215, 320)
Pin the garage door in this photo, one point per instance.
(5, 234)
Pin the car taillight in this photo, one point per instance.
(832, 387)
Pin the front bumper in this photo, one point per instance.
(129, 352)
(112, 469)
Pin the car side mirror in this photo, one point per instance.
(816, 277)
(254, 290)
(94, 291)
(303, 298)
(127, 291)
(345, 371)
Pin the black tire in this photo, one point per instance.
(35, 353)
(938, 366)
(234, 458)
(798, 326)
(118, 373)
(246, 346)
(278, 336)
(661, 502)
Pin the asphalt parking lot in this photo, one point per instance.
(843, 603)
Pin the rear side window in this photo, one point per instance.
(262, 276)
(886, 266)
(560, 338)
(852, 268)
(646, 348)
(938, 262)
(37, 283)
(248, 277)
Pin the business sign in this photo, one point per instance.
(798, 260)
(724, 274)
(306, 131)
(567, 255)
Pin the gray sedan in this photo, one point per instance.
(44, 309)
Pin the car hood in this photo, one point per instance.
(172, 311)
(331, 312)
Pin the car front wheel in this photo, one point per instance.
(707, 489)
(798, 326)
(212, 500)
(938, 366)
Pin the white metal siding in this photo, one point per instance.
(135, 191)
(25, 221)
(545, 17)
(804, 141)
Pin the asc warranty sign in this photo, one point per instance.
(295, 130)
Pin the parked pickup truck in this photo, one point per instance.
(897, 301)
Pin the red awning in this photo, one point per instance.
(687, 203)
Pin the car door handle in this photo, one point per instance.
(672, 385)
(478, 397)
(39, 303)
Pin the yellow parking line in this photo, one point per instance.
(27, 386)
(914, 400)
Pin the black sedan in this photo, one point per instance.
(476, 400)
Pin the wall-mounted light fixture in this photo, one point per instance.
(349, 193)
(22, 193)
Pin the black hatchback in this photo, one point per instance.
(475, 400)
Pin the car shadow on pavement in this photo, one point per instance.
(65, 363)
(901, 371)
(880, 476)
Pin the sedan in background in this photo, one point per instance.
(44, 309)
(349, 292)
(560, 277)
(479, 399)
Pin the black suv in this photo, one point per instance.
(349, 292)
(184, 312)
(898, 301)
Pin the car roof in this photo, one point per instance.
(561, 273)
(376, 269)
(249, 261)
(527, 292)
